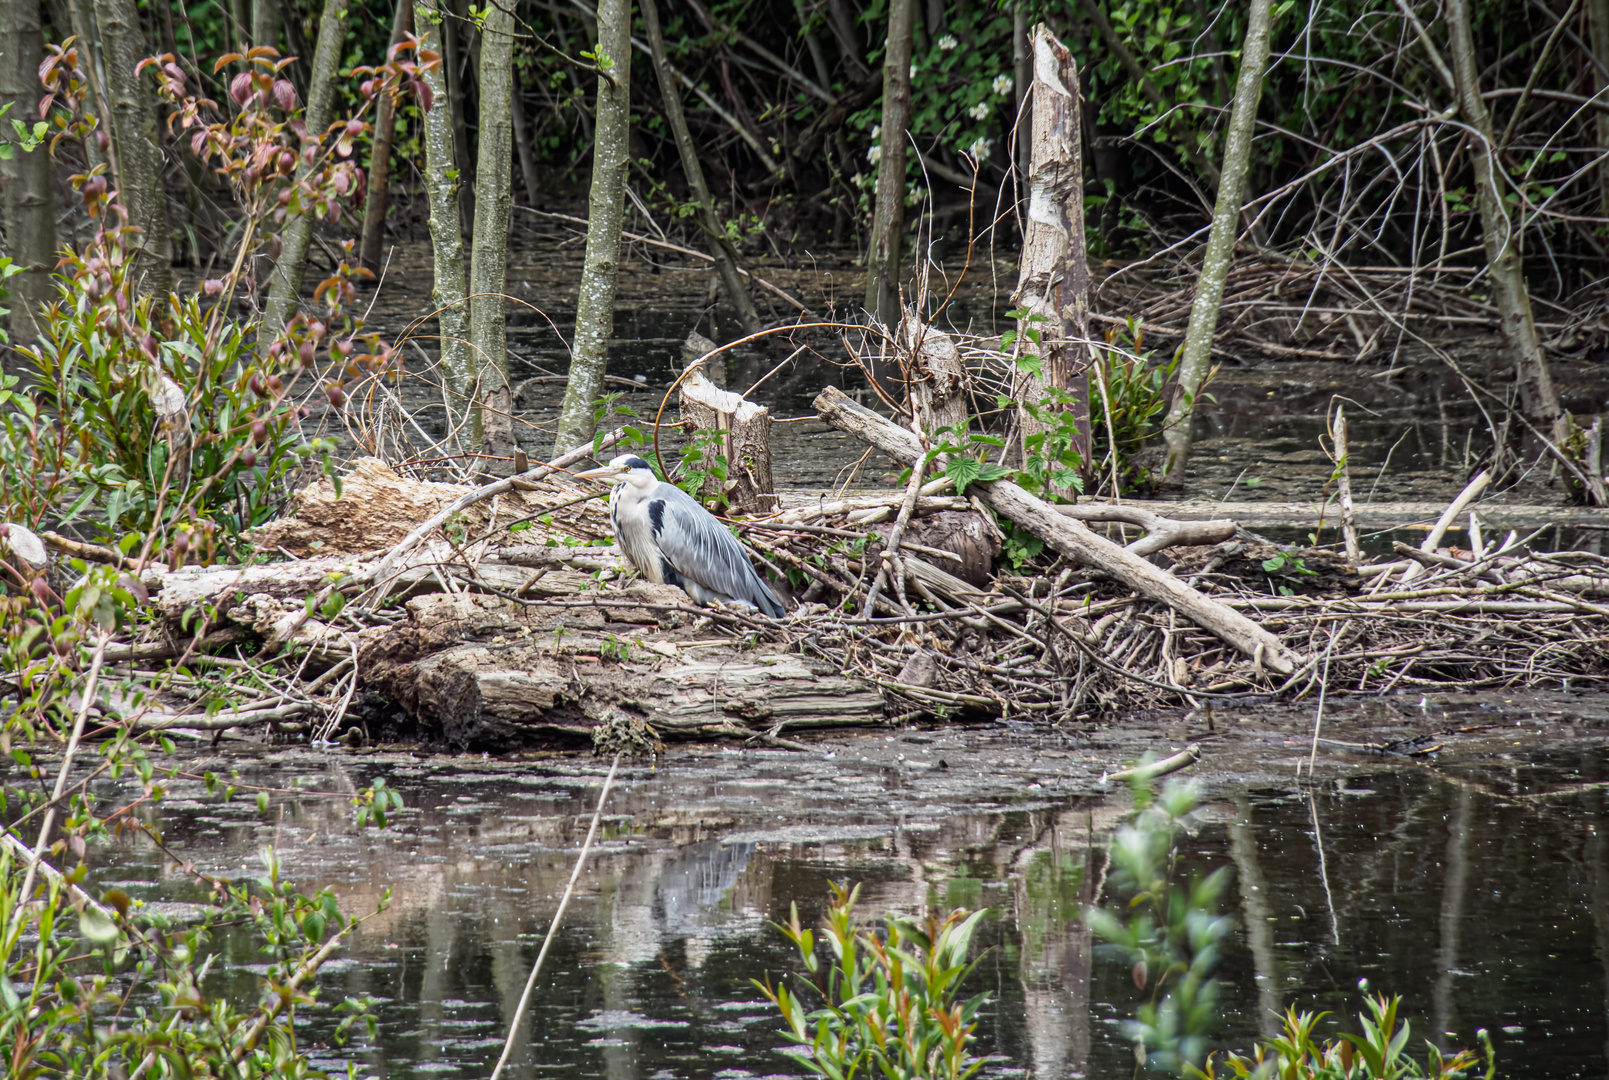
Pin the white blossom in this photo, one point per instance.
(980, 111)
(979, 149)
(948, 42)
(913, 71)
(877, 129)
(1002, 84)
(874, 155)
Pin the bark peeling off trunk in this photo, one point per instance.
(938, 375)
(1053, 280)
(743, 430)
(482, 673)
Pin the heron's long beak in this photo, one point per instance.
(606, 472)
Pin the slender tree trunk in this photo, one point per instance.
(522, 142)
(25, 202)
(1053, 281)
(1538, 397)
(494, 168)
(446, 235)
(285, 285)
(452, 58)
(1195, 362)
(265, 19)
(720, 244)
(135, 134)
(843, 28)
(385, 130)
(595, 311)
(883, 261)
(1598, 16)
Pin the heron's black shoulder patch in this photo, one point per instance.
(656, 515)
(668, 572)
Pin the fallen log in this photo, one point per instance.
(484, 673)
(1071, 538)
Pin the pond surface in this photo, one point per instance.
(1476, 886)
(1415, 433)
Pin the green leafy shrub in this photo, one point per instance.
(1379, 1053)
(890, 1004)
(182, 429)
(1129, 395)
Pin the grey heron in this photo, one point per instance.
(672, 540)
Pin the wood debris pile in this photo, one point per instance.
(464, 633)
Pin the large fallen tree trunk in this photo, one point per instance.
(1071, 538)
(485, 673)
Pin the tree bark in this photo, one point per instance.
(142, 191)
(265, 19)
(1053, 281)
(721, 247)
(1538, 398)
(595, 310)
(1598, 17)
(385, 130)
(285, 284)
(1195, 361)
(446, 234)
(25, 198)
(1070, 537)
(494, 168)
(883, 260)
(452, 53)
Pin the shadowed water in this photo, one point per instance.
(1478, 892)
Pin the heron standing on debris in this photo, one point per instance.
(672, 540)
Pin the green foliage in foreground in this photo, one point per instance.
(1379, 1053)
(891, 1004)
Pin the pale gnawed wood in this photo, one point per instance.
(742, 435)
(938, 375)
(1053, 276)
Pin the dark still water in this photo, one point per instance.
(1479, 894)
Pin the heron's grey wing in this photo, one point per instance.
(701, 550)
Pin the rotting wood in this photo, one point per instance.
(1155, 769)
(485, 673)
(1071, 538)
(740, 432)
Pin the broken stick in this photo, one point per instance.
(1071, 538)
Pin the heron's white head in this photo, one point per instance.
(627, 469)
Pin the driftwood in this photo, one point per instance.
(1160, 532)
(1072, 538)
